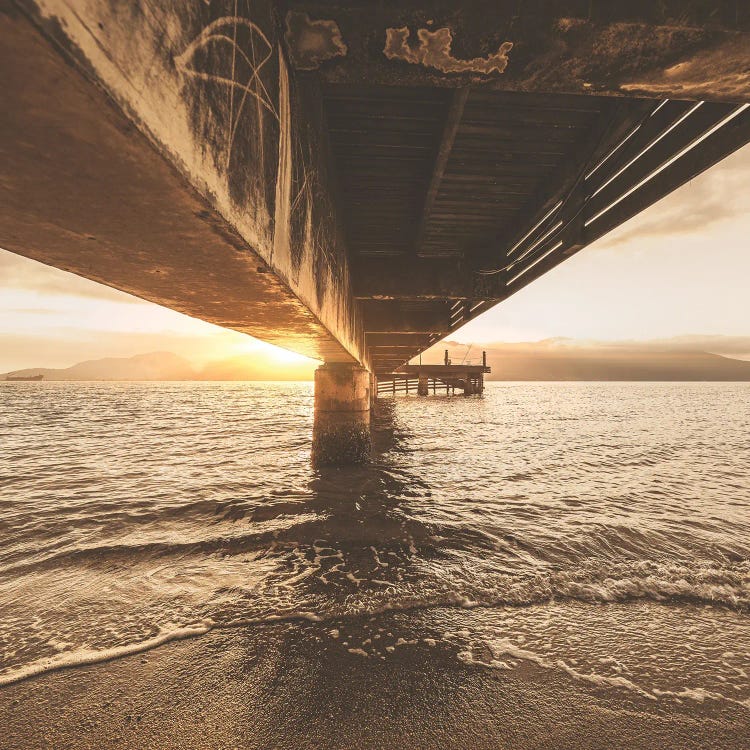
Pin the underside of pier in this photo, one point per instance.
(352, 180)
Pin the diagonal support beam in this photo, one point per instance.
(541, 211)
(452, 123)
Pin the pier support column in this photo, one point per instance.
(468, 386)
(341, 428)
(422, 385)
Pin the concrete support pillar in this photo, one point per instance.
(468, 386)
(341, 427)
(422, 385)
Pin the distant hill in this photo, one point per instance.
(555, 360)
(168, 366)
(154, 366)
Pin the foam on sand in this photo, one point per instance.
(85, 657)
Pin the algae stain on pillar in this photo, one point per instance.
(341, 428)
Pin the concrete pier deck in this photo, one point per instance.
(352, 181)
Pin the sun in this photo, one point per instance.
(284, 355)
(269, 352)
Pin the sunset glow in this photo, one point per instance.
(684, 260)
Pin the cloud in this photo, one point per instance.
(18, 272)
(714, 344)
(712, 198)
(728, 345)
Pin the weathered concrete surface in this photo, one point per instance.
(342, 388)
(225, 214)
(674, 48)
(341, 430)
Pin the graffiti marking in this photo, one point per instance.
(217, 32)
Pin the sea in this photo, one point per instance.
(598, 531)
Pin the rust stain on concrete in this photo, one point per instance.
(722, 71)
(434, 51)
(311, 43)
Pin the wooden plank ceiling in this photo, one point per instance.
(455, 199)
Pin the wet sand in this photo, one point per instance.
(294, 686)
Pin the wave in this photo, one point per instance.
(725, 586)
(86, 657)
(503, 648)
(720, 585)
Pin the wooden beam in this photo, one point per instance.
(439, 370)
(714, 147)
(685, 131)
(539, 215)
(450, 128)
(394, 349)
(648, 129)
(668, 130)
(383, 317)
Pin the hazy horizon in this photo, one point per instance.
(688, 358)
(678, 269)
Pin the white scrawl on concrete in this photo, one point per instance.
(218, 32)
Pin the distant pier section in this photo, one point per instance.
(423, 378)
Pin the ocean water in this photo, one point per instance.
(597, 530)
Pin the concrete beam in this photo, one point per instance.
(675, 49)
(390, 317)
(412, 340)
(187, 167)
(414, 279)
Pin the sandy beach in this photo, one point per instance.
(294, 686)
(588, 598)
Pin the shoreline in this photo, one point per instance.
(292, 685)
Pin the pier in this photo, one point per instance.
(422, 379)
(352, 181)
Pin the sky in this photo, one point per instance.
(681, 268)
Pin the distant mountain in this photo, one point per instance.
(553, 359)
(168, 366)
(569, 360)
(154, 366)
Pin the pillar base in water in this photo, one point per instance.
(340, 439)
(422, 385)
(341, 430)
